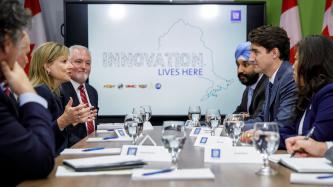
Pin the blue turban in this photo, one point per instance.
(243, 51)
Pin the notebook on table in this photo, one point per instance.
(103, 163)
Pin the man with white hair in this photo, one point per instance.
(80, 91)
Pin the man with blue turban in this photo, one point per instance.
(254, 93)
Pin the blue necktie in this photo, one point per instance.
(249, 98)
(269, 100)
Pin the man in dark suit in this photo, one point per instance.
(254, 93)
(80, 91)
(270, 55)
(26, 137)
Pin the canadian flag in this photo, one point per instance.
(37, 30)
(328, 20)
(289, 21)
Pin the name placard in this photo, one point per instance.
(147, 153)
(209, 141)
(200, 131)
(232, 155)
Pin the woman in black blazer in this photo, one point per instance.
(50, 68)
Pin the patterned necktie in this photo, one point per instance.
(90, 124)
(7, 90)
(249, 98)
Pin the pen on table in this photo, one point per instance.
(305, 138)
(158, 171)
(109, 137)
(92, 149)
(325, 177)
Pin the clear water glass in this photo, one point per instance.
(147, 112)
(234, 130)
(173, 138)
(213, 119)
(266, 140)
(194, 114)
(133, 125)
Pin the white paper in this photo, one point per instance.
(108, 126)
(63, 171)
(301, 178)
(147, 126)
(101, 139)
(100, 160)
(202, 173)
(201, 131)
(147, 153)
(209, 141)
(147, 138)
(104, 131)
(232, 155)
(308, 165)
(277, 157)
(109, 151)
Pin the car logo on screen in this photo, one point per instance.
(120, 86)
(143, 85)
(130, 86)
(158, 86)
(236, 15)
(109, 86)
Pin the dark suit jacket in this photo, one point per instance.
(78, 132)
(282, 100)
(258, 99)
(26, 142)
(56, 109)
(319, 114)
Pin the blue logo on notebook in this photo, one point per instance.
(121, 132)
(197, 130)
(203, 140)
(215, 153)
(236, 15)
(132, 151)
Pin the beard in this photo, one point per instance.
(249, 79)
(80, 77)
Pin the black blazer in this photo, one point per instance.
(56, 109)
(78, 132)
(26, 142)
(258, 99)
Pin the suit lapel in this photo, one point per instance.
(276, 84)
(72, 92)
(10, 102)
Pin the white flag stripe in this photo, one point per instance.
(37, 31)
(290, 22)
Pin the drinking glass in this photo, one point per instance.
(147, 112)
(194, 114)
(133, 125)
(266, 139)
(173, 138)
(234, 128)
(213, 119)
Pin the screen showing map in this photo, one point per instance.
(166, 56)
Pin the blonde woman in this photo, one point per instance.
(48, 70)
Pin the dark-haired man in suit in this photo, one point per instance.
(254, 93)
(80, 91)
(270, 54)
(26, 137)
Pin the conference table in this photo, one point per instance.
(228, 175)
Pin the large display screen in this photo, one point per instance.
(169, 56)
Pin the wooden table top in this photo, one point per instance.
(229, 175)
